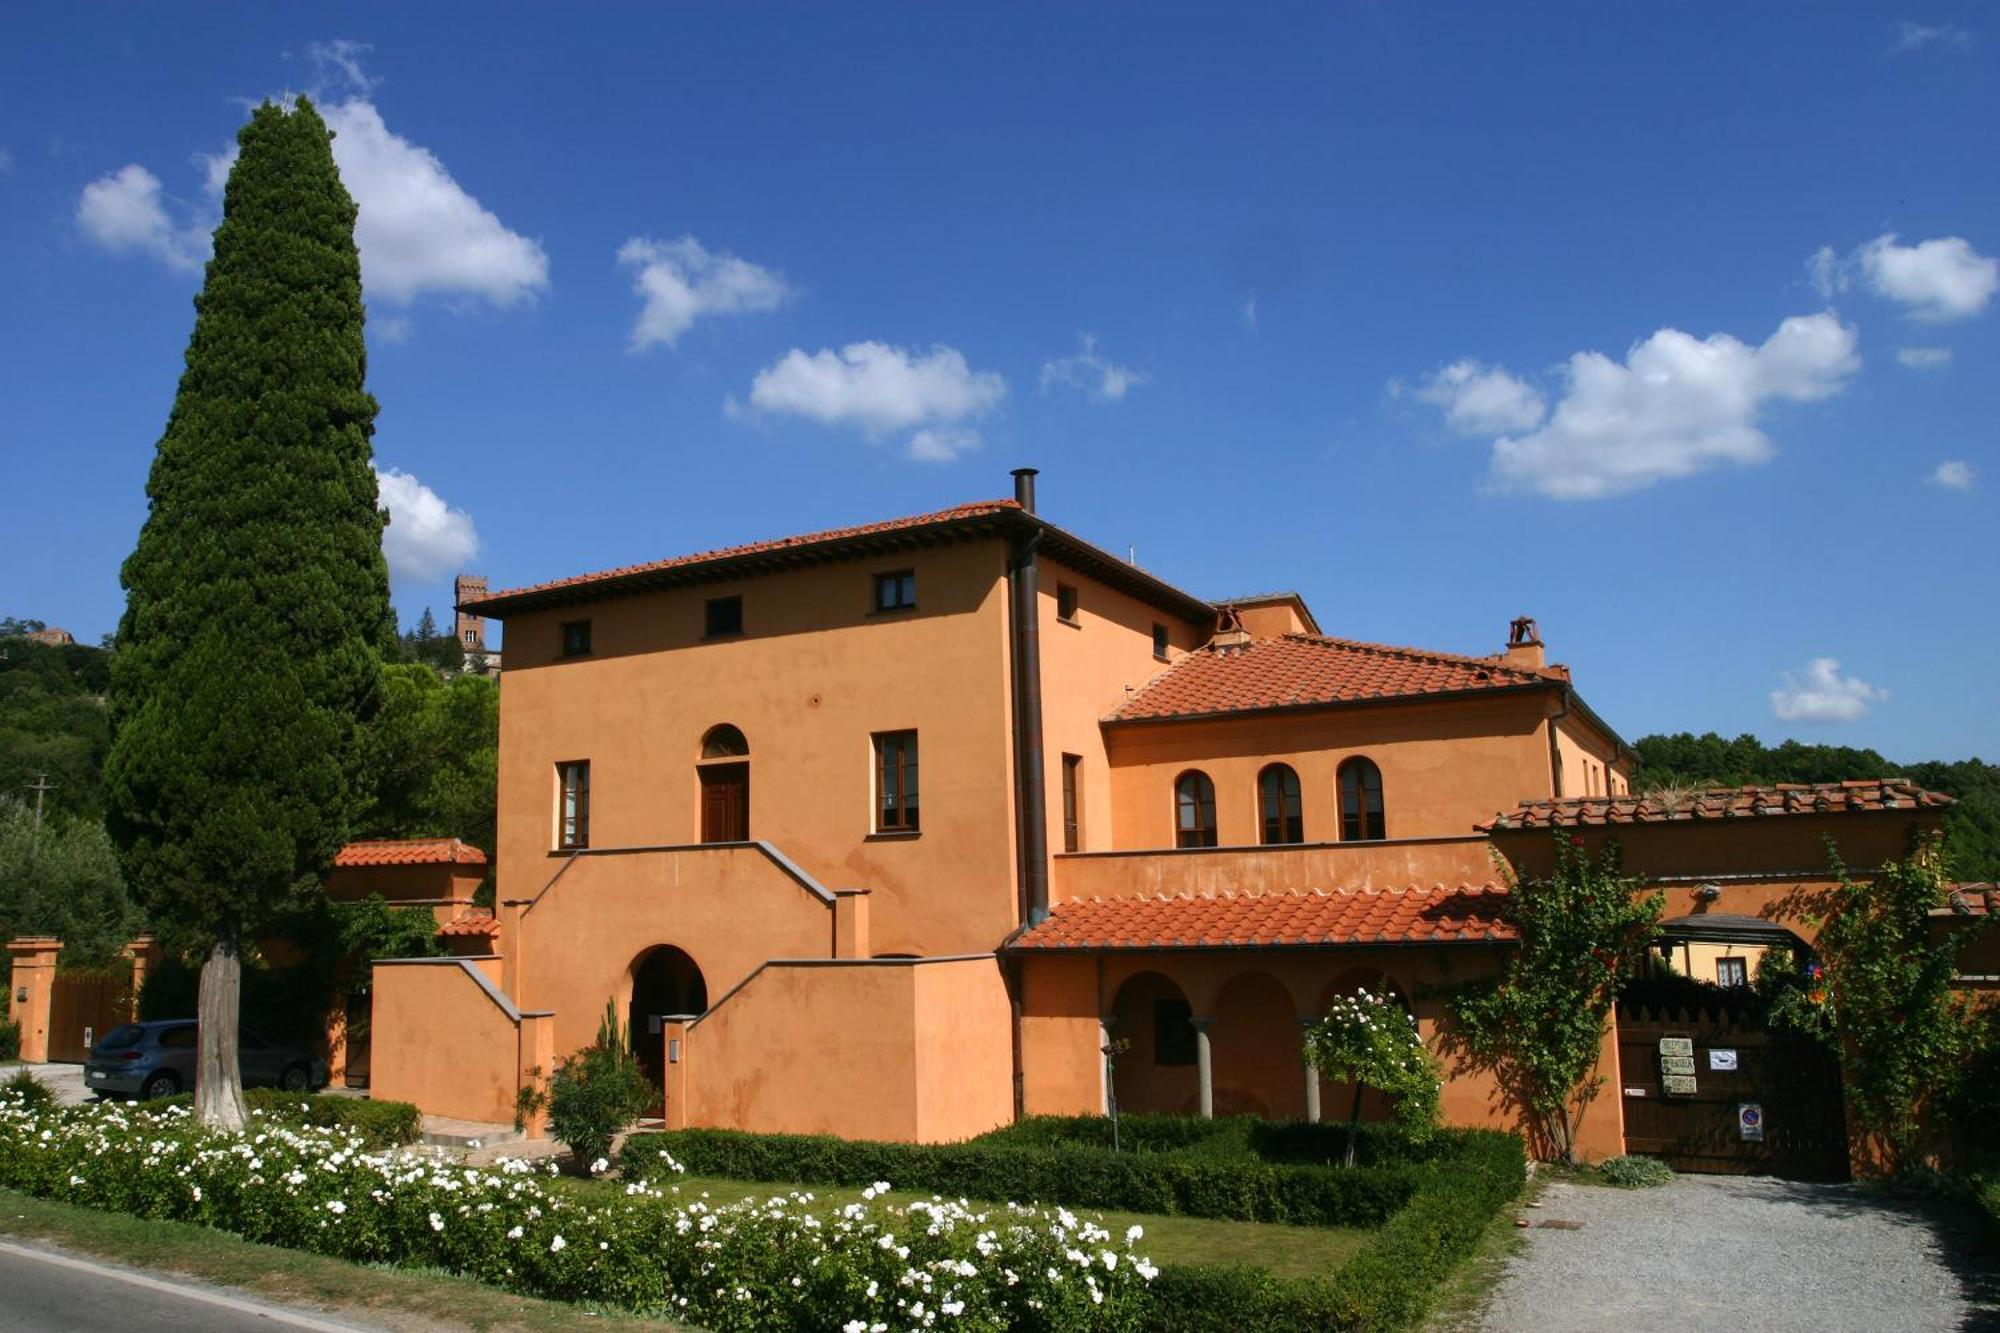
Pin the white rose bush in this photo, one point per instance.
(788, 1262)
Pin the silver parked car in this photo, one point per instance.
(157, 1059)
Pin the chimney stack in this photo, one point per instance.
(1024, 488)
(1524, 645)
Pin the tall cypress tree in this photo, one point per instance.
(257, 597)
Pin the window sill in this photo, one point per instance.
(1073, 624)
(719, 638)
(1161, 657)
(893, 610)
(895, 835)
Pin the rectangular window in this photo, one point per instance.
(725, 617)
(575, 638)
(896, 782)
(573, 805)
(1732, 972)
(1173, 1033)
(1072, 818)
(1066, 604)
(1160, 641)
(897, 591)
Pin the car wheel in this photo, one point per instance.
(296, 1079)
(159, 1085)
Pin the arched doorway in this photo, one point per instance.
(724, 773)
(1259, 1065)
(1156, 1071)
(664, 981)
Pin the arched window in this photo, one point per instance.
(1194, 810)
(1361, 801)
(1279, 806)
(724, 742)
(724, 779)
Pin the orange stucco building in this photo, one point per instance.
(888, 831)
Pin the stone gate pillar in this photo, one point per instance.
(33, 990)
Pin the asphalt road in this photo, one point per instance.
(46, 1290)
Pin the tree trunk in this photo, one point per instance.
(218, 1078)
(1354, 1122)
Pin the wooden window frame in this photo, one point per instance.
(897, 791)
(1291, 816)
(895, 582)
(1362, 824)
(1066, 592)
(572, 805)
(1072, 802)
(1160, 644)
(1203, 832)
(708, 610)
(1741, 966)
(573, 638)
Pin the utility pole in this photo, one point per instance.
(41, 787)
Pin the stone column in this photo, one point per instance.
(1312, 1076)
(1204, 1066)
(1106, 1062)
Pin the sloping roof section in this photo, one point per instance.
(472, 922)
(1972, 899)
(981, 518)
(409, 852)
(1312, 918)
(1311, 670)
(1786, 798)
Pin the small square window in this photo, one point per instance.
(1066, 603)
(1732, 972)
(897, 591)
(725, 617)
(1160, 641)
(575, 638)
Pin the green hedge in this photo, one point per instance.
(10, 1039)
(380, 1124)
(1294, 1141)
(1241, 1188)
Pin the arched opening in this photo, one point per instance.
(1361, 817)
(724, 774)
(1156, 1070)
(665, 981)
(1259, 1066)
(1194, 810)
(1281, 811)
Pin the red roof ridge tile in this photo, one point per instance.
(408, 852)
(1849, 796)
(1496, 661)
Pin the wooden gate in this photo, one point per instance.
(1761, 1102)
(83, 1006)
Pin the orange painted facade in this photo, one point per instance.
(722, 913)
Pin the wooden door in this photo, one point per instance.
(83, 1007)
(725, 802)
(1791, 1082)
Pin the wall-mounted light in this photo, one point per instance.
(21, 995)
(1707, 893)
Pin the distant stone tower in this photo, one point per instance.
(470, 628)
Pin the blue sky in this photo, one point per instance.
(1674, 328)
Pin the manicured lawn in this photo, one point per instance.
(1280, 1250)
(395, 1298)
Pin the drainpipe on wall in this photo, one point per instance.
(1030, 785)
(1555, 750)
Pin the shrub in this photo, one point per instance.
(1300, 1142)
(778, 1264)
(376, 1124)
(10, 1039)
(1373, 1042)
(29, 1090)
(595, 1094)
(1052, 1172)
(1634, 1172)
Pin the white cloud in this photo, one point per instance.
(1924, 358)
(1937, 279)
(1478, 399)
(340, 60)
(1827, 272)
(6, 160)
(1916, 36)
(881, 390)
(1824, 695)
(680, 281)
(1249, 313)
(1091, 372)
(426, 538)
(1954, 475)
(1676, 405)
(125, 212)
(419, 230)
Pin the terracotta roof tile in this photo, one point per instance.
(1980, 899)
(1304, 670)
(1295, 918)
(473, 921)
(1785, 798)
(409, 852)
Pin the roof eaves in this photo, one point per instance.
(1372, 701)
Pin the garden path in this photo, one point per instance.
(1743, 1252)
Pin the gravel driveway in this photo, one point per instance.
(1744, 1252)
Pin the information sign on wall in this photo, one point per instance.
(1750, 1121)
(1721, 1057)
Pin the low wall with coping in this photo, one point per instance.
(447, 1039)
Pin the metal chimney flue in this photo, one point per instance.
(1024, 487)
